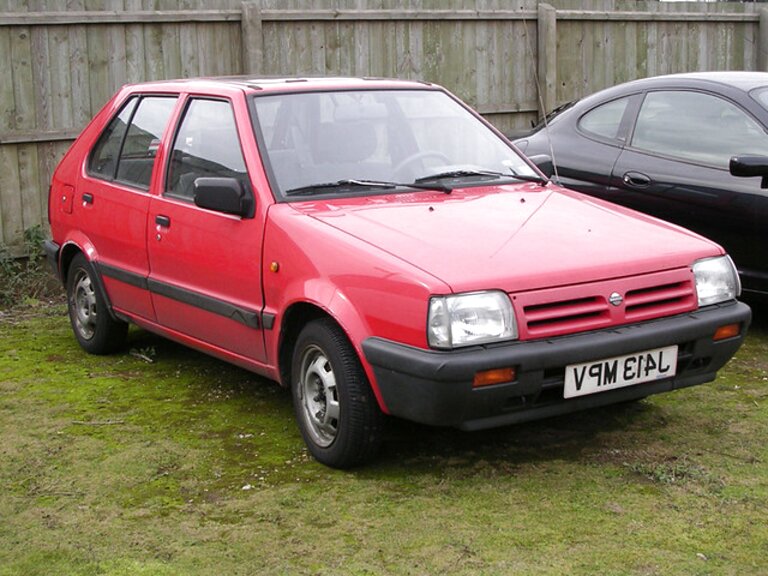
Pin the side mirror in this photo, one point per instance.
(225, 195)
(544, 163)
(750, 166)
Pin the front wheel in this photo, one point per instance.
(95, 330)
(337, 412)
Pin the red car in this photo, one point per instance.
(381, 249)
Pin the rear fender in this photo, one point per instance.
(79, 243)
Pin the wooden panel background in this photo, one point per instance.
(60, 60)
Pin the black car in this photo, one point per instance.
(663, 146)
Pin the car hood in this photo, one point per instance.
(514, 237)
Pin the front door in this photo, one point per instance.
(205, 265)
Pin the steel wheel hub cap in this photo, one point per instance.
(319, 397)
(84, 306)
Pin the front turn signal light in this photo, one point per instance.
(727, 331)
(491, 377)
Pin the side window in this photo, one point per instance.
(103, 160)
(605, 120)
(206, 144)
(697, 127)
(137, 156)
(126, 150)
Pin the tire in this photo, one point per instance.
(336, 410)
(96, 330)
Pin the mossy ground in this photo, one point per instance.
(162, 461)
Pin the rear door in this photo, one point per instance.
(205, 265)
(112, 199)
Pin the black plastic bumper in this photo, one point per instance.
(52, 255)
(435, 387)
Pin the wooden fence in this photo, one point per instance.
(60, 60)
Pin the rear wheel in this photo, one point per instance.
(337, 412)
(95, 329)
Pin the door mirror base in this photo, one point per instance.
(750, 166)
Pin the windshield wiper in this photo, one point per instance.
(353, 183)
(468, 173)
(530, 178)
(339, 184)
(460, 173)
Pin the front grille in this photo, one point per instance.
(579, 308)
(579, 314)
(659, 300)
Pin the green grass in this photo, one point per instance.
(162, 461)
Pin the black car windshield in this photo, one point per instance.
(400, 137)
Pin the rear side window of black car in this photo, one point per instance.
(126, 149)
(605, 120)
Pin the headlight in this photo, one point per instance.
(716, 280)
(467, 319)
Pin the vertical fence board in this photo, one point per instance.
(32, 206)
(7, 99)
(10, 196)
(78, 65)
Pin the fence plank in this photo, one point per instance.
(10, 197)
(762, 45)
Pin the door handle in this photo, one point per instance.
(636, 180)
(163, 221)
(87, 198)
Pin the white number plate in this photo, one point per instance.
(620, 371)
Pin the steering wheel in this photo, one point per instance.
(420, 156)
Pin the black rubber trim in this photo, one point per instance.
(435, 387)
(239, 314)
(130, 278)
(242, 315)
(268, 320)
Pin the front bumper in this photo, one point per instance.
(435, 387)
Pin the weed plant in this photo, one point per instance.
(25, 281)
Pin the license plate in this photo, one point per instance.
(620, 371)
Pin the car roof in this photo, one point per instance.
(280, 84)
(741, 80)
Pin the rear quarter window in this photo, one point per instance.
(605, 120)
(126, 150)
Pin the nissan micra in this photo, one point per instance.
(379, 248)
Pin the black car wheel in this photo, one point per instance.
(337, 412)
(95, 329)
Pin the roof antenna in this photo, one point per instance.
(545, 118)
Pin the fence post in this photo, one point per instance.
(252, 40)
(762, 42)
(547, 64)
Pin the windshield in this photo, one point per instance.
(761, 95)
(398, 137)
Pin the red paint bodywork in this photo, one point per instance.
(371, 263)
